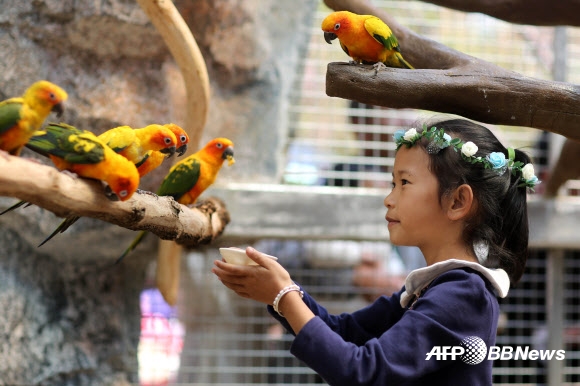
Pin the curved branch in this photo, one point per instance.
(65, 195)
(178, 37)
(449, 81)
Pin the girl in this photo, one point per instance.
(460, 196)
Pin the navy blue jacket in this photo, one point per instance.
(385, 344)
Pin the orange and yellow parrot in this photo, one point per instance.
(20, 117)
(81, 152)
(156, 158)
(136, 145)
(185, 182)
(190, 177)
(365, 38)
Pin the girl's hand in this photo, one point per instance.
(261, 283)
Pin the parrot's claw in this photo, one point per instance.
(378, 66)
(70, 174)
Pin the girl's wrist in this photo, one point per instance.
(286, 292)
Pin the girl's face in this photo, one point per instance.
(414, 212)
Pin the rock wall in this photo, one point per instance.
(70, 317)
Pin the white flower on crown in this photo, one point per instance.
(410, 134)
(528, 172)
(469, 149)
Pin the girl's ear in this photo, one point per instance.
(461, 203)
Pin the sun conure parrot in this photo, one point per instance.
(20, 117)
(81, 152)
(365, 38)
(156, 158)
(185, 182)
(136, 145)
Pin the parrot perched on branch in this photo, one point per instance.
(156, 158)
(20, 117)
(81, 152)
(190, 177)
(136, 145)
(365, 38)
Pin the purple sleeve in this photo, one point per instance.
(369, 348)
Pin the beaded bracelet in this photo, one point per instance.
(283, 292)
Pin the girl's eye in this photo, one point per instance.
(404, 182)
(392, 185)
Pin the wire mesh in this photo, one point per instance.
(221, 339)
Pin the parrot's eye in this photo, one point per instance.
(167, 141)
(336, 26)
(219, 145)
(123, 193)
(183, 138)
(52, 96)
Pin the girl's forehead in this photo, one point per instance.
(413, 160)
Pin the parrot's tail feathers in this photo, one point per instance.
(64, 225)
(15, 206)
(405, 64)
(133, 245)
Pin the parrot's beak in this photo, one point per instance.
(181, 150)
(229, 155)
(329, 37)
(58, 109)
(168, 150)
(110, 194)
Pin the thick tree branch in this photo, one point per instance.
(535, 12)
(452, 82)
(65, 195)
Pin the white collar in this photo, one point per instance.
(420, 278)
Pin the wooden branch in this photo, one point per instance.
(65, 195)
(534, 12)
(181, 43)
(452, 82)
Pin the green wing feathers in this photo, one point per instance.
(181, 178)
(9, 114)
(382, 33)
(69, 143)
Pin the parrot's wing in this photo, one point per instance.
(118, 138)
(344, 48)
(181, 179)
(9, 113)
(69, 143)
(382, 33)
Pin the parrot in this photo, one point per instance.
(21, 116)
(190, 177)
(156, 158)
(135, 145)
(365, 38)
(81, 152)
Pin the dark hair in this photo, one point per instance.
(501, 216)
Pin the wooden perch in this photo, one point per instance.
(449, 81)
(65, 195)
(534, 12)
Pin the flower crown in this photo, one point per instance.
(439, 140)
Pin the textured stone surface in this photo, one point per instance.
(70, 317)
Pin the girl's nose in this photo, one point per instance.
(388, 200)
